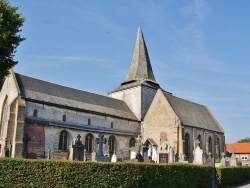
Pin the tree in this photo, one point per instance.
(247, 139)
(10, 24)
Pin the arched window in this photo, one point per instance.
(132, 142)
(199, 138)
(111, 125)
(35, 113)
(210, 144)
(218, 147)
(89, 140)
(112, 144)
(89, 121)
(64, 118)
(63, 140)
(187, 145)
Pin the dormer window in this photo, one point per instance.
(111, 125)
(89, 121)
(35, 113)
(64, 118)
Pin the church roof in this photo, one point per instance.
(46, 92)
(140, 71)
(193, 114)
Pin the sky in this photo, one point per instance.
(199, 49)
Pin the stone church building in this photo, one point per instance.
(40, 118)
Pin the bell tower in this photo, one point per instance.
(140, 86)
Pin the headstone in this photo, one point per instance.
(198, 156)
(93, 158)
(100, 157)
(133, 152)
(154, 154)
(25, 152)
(171, 155)
(49, 155)
(131, 161)
(78, 150)
(139, 157)
(163, 157)
(223, 160)
(114, 158)
(71, 151)
(181, 159)
(233, 158)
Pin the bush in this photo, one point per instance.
(227, 176)
(55, 173)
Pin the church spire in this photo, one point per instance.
(140, 66)
(140, 70)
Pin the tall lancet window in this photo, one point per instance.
(35, 113)
(63, 140)
(187, 145)
(89, 140)
(132, 142)
(64, 118)
(210, 144)
(112, 144)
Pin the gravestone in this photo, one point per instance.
(25, 152)
(93, 157)
(171, 155)
(198, 155)
(114, 158)
(163, 158)
(71, 151)
(78, 150)
(100, 141)
(223, 160)
(233, 158)
(49, 154)
(133, 152)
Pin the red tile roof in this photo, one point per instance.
(239, 147)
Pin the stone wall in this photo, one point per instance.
(161, 118)
(132, 97)
(79, 118)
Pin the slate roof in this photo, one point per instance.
(39, 90)
(193, 114)
(240, 148)
(140, 70)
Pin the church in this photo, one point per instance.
(40, 118)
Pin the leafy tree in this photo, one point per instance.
(247, 139)
(10, 24)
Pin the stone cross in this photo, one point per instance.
(78, 138)
(197, 142)
(233, 150)
(101, 140)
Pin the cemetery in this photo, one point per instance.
(138, 171)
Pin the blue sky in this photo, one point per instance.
(199, 49)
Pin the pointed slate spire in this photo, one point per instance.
(140, 66)
(140, 70)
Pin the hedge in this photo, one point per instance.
(228, 176)
(58, 173)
